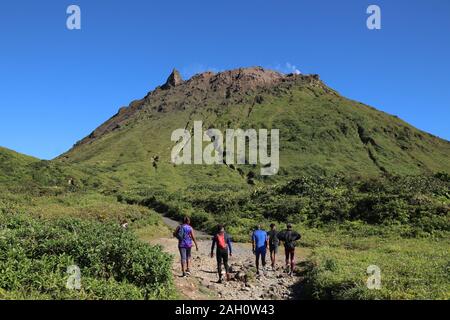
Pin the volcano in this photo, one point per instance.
(321, 132)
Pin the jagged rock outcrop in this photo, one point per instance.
(173, 80)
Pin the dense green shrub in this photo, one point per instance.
(35, 255)
(420, 202)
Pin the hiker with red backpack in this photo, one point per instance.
(223, 242)
(185, 235)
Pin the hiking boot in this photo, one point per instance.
(220, 280)
(188, 272)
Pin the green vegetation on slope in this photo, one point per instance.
(35, 255)
(41, 236)
(360, 185)
(420, 204)
(411, 268)
(321, 132)
(22, 174)
(13, 165)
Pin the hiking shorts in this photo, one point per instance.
(261, 252)
(273, 248)
(185, 254)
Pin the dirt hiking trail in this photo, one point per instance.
(244, 285)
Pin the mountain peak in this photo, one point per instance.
(173, 80)
(313, 120)
(253, 74)
(239, 81)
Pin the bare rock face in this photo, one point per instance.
(173, 80)
(244, 79)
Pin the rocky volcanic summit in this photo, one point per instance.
(220, 88)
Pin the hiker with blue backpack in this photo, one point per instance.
(185, 235)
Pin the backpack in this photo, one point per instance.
(290, 239)
(220, 244)
(273, 238)
(179, 233)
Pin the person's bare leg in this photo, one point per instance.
(287, 260)
(292, 261)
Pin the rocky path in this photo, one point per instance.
(245, 284)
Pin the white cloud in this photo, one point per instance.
(292, 68)
(286, 68)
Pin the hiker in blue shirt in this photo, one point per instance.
(260, 242)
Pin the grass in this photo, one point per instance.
(414, 268)
(154, 231)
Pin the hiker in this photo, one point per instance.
(185, 235)
(273, 244)
(289, 237)
(223, 241)
(260, 242)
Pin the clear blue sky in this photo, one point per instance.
(57, 85)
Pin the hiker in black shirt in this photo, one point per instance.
(273, 244)
(289, 237)
(223, 241)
